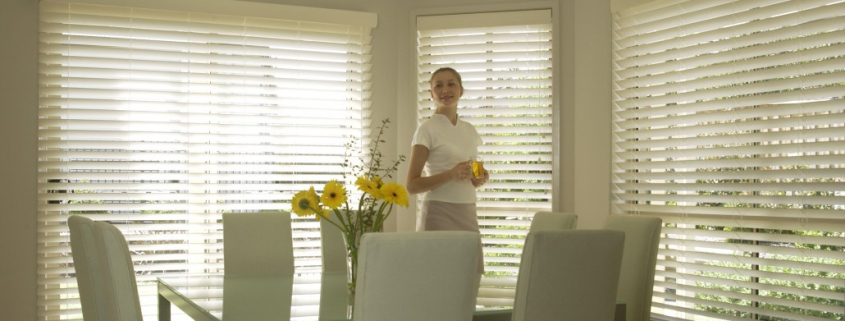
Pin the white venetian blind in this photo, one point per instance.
(730, 125)
(159, 115)
(505, 60)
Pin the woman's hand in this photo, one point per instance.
(477, 182)
(462, 171)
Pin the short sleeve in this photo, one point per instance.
(478, 140)
(422, 137)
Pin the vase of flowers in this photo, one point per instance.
(368, 214)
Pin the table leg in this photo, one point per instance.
(163, 308)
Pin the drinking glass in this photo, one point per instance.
(477, 166)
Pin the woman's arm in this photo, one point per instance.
(415, 183)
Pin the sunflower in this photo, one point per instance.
(304, 202)
(313, 194)
(334, 194)
(361, 182)
(367, 186)
(394, 193)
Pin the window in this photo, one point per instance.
(157, 119)
(729, 121)
(505, 61)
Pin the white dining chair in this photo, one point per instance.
(569, 275)
(333, 248)
(636, 285)
(417, 276)
(333, 303)
(257, 244)
(257, 297)
(553, 221)
(542, 221)
(104, 271)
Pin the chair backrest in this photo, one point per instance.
(414, 276)
(333, 248)
(257, 243)
(333, 292)
(636, 284)
(553, 221)
(251, 297)
(333, 296)
(104, 271)
(569, 275)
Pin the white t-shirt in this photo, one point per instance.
(447, 146)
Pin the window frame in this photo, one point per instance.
(409, 116)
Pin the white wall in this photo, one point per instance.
(616, 5)
(18, 102)
(584, 71)
(589, 112)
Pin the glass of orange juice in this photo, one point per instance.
(477, 166)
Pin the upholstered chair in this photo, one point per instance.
(636, 285)
(417, 276)
(553, 221)
(257, 244)
(569, 275)
(104, 271)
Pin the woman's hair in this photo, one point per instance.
(449, 69)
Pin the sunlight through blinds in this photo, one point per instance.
(505, 61)
(729, 124)
(159, 116)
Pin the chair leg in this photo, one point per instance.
(163, 308)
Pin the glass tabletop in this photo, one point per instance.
(308, 296)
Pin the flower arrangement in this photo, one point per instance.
(374, 205)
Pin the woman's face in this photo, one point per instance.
(445, 89)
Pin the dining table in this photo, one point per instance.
(301, 296)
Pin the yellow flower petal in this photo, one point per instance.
(334, 194)
(313, 194)
(324, 213)
(303, 203)
(367, 186)
(361, 182)
(394, 193)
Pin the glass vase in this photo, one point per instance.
(352, 242)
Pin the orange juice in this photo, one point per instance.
(477, 167)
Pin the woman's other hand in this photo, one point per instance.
(462, 171)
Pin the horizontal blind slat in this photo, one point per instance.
(728, 120)
(507, 96)
(159, 119)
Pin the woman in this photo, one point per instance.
(442, 148)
